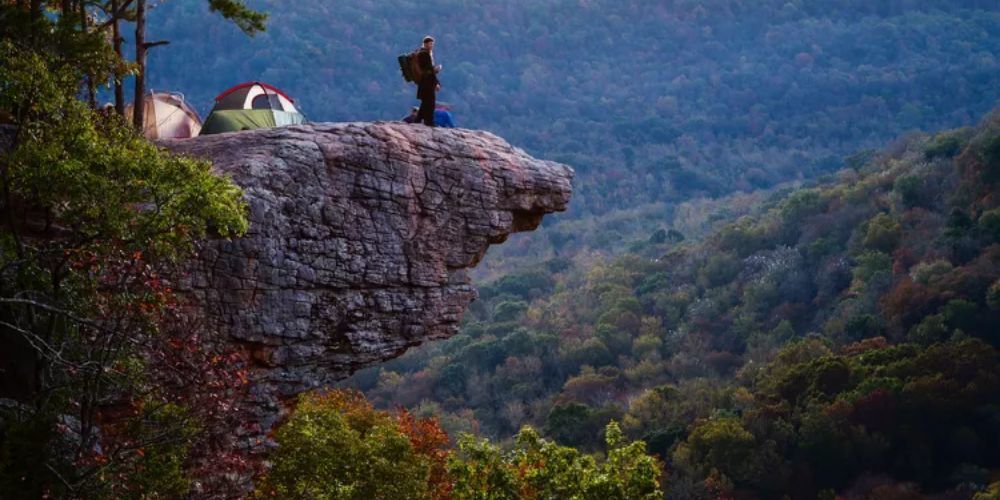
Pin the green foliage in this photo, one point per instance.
(100, 177)
(931, 329)
(568, 424)
(524, 285)
(862, 326)
(102, 214)
(960, 313)
(990, 154)
(883, 233)
(911, 190)
(658, 236)
(902, 283)
(926, 272)
(538, 468)
(509, 310)
(724, 443)
(991, 493)
(943, 146)
(743, 237)
(719, 270)
(591, 352)
(798, 207)
(337, 447)
(248, 20)
(739, 95)
(989, 225)
(163, 462)
(870, 264)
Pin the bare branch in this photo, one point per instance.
(52, 309)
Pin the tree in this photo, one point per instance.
(538, 468)
(248, 20)
(883, 233)
(723, 443)
(336, 445)
(93, 218)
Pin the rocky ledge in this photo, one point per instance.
(360, 234)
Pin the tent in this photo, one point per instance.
(251, 105)
(167, 116)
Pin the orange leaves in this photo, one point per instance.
(430, 441)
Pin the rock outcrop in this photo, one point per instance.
(360, 234)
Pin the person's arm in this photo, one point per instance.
(426, 64)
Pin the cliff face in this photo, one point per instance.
(360, 234)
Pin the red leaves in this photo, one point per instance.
(430, 441)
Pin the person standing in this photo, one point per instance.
(429, 85)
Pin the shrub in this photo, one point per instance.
(509, 310)
(720, 269)
(942, 146)
(931, 330)
(925, 272)
(883, 233)
(538, 468)
(911, 190)
(991, 160)
(869, 264)
(989, 225)
(336, 445)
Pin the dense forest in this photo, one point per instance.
(109, 389)
(653, 103)
(840, 338)
(779, 277)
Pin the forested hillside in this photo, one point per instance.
(842, 338)
(779, 276)
(649, 101)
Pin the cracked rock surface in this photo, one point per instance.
(360, 234)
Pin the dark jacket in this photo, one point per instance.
(428, 82)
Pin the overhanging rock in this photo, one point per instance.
(360, 234)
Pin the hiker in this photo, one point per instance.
(428, 85)
(413, 117)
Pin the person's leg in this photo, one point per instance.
(426, 112)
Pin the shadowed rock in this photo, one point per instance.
(360, 234)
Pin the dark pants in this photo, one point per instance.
(426, 113)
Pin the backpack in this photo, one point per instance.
(409, 65)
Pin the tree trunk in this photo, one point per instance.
(34, 16)
(91, 86)
(117, 43)
(138, 114)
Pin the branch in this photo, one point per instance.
(40, 345)
(52, 309)
(150, 45)
(59, 476)
(116, 15)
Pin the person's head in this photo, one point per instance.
(414, 110)
(428, 42)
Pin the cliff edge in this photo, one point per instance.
(360, 234)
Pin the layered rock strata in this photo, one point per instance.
(360, 234)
